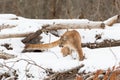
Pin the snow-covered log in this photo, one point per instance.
(14, 35)
(104, 43)
(81, 25)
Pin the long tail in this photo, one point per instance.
(41, 46)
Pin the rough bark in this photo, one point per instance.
(32, 36)
(105, 43)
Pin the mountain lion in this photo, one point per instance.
(69, 41)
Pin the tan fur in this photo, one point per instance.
(41, 46)
(66, 51)
(70, 40)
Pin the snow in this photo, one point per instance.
(7, 16)
(100, 58)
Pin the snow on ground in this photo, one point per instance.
(100, 58)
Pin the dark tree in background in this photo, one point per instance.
(65, 9)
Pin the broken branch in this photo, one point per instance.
(112, 20)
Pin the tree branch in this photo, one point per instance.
(112, 20)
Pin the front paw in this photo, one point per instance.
(81, 59)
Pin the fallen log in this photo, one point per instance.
(13, 35)
(104, 43)
(81, 25)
